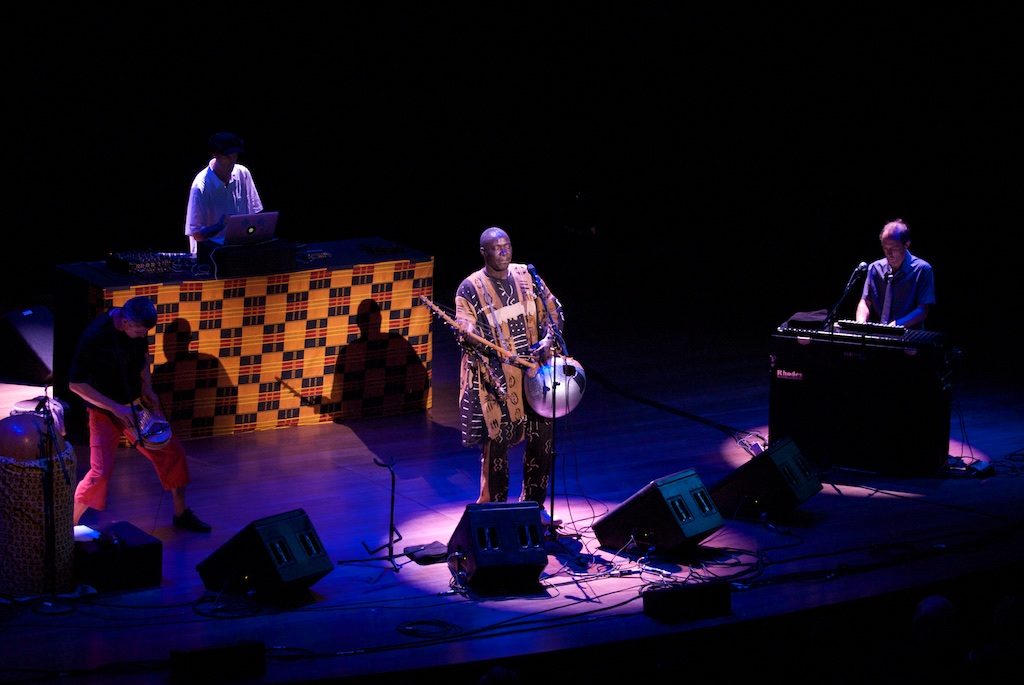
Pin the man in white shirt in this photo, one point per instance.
(223, 188)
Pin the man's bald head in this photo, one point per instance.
(491, 234)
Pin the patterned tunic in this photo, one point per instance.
(509, 313)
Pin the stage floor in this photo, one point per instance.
(830, 584)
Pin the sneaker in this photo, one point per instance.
(189, 521)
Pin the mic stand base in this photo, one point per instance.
(552, 533)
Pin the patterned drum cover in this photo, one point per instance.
(37, 479)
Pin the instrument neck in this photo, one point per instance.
(506, 356)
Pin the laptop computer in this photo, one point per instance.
(247, 229)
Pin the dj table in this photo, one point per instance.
(335, 332)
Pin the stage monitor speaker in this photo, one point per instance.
(676, 602)
(218, 665)
(498, 548)
(273, 555)
(771, 483)
(123, 557)
(670, 514)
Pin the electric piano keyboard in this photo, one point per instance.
(875, 333)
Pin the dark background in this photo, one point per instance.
(667, 169)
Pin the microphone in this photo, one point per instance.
(543, 291)
(536, 277)
(541, 287)
(830, 319)
(863, 266)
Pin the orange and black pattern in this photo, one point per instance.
(263, 352)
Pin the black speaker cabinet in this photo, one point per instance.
(218, 665)
(772, 482)
(677, 602)
(876, 405)
(498, 548)
(670, 514)
(123, 557)
(272, 555)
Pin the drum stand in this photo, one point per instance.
(393, 534)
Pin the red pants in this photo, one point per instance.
(104, 435)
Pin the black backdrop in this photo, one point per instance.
(746, 157)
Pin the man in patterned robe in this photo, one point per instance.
(509, 320)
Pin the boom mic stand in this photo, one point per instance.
(830, 319)
(393, 534)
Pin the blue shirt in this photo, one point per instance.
(913, 285)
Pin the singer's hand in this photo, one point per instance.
(542, 349)
(124, 414)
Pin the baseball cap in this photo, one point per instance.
(226, 143)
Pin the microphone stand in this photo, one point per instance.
(393, 534)
(560, 342)
(49, 454)
(830, 319)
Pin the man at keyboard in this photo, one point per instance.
(900, 288)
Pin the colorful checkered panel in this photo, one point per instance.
(293, 349)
